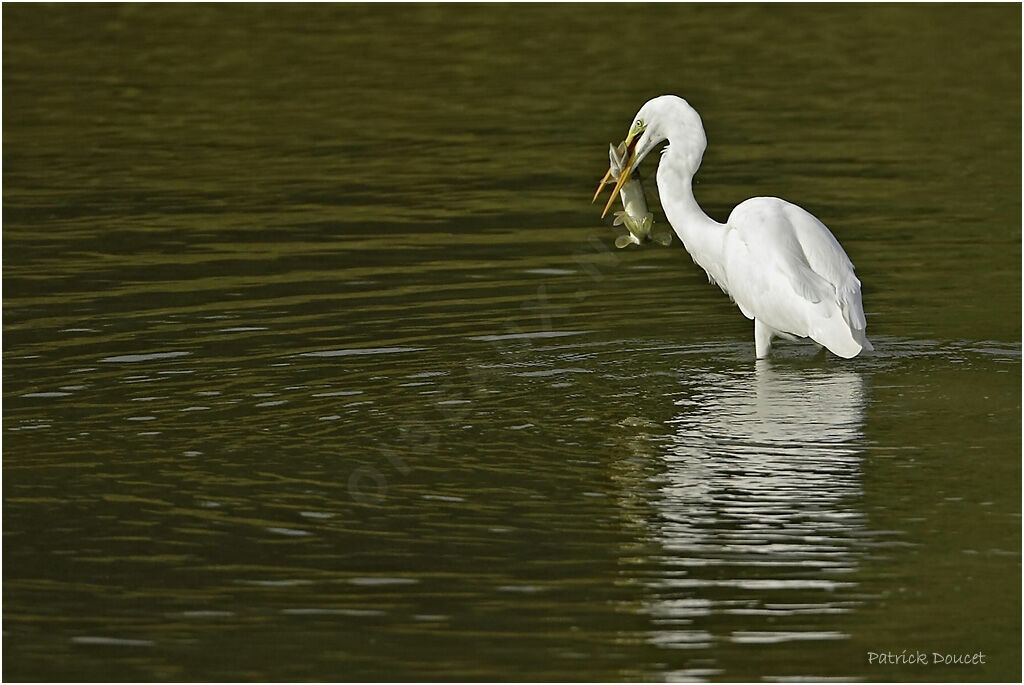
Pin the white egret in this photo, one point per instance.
(779, 264)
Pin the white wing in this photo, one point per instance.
(785, 268)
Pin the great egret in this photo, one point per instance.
(779, 264)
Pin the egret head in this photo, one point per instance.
(670, 118)
(667, 117)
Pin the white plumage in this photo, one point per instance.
(782, 267)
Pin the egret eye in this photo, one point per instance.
(636, 129)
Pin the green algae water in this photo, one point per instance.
(319, 365)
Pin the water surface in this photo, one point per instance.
(318, 365)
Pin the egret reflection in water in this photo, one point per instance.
(756, 509)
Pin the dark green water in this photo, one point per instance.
(318, 365)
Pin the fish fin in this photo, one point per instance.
(615, 162)
(620, 218)
(662, 235)
(623, 241)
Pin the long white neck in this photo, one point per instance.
(702, 236)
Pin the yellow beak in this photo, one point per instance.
(627, 169)
(601, 184)
(631, 140)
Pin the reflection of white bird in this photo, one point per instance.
(759, 508)
(782, 267)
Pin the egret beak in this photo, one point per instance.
(630, 154)
(627, 169)
(600, 186)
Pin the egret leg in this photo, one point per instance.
(762, 339)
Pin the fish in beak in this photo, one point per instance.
(628, 152)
